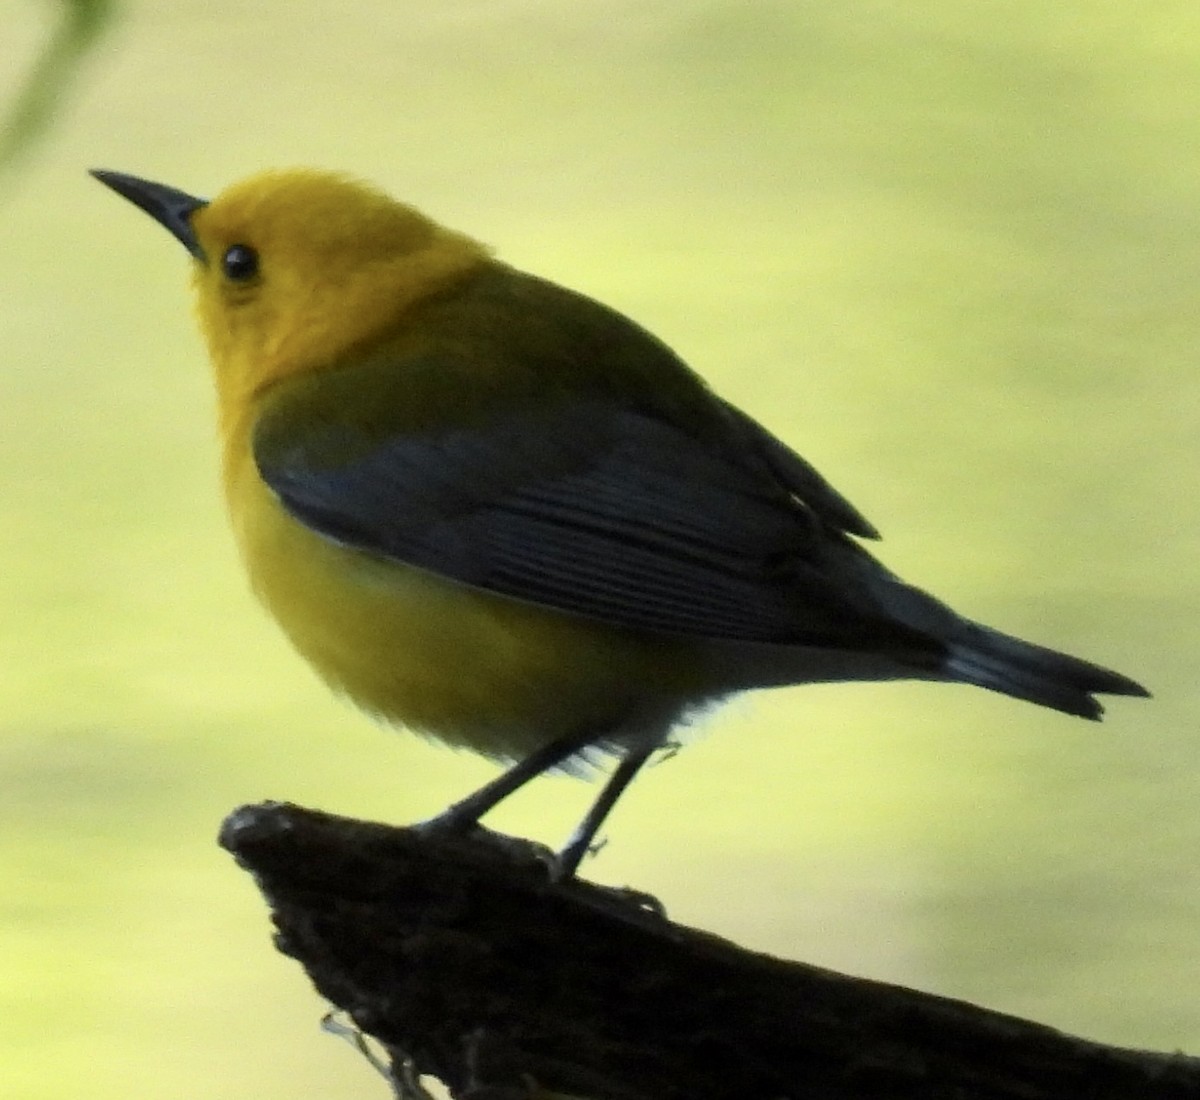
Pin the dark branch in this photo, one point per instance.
(461, 954)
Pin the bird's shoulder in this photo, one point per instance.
(517, 373)
(500, 344)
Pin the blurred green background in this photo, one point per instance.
(950, 252)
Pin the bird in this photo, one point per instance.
(503, 515)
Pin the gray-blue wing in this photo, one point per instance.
(595, 510)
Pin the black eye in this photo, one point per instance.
(240, 263)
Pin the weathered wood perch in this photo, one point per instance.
(461, 955)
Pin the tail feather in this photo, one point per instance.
(1000, 662)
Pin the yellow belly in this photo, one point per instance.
(495, 675)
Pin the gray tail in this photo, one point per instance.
(1002, 663)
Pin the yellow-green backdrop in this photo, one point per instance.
(949, 251)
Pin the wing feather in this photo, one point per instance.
(587, 508)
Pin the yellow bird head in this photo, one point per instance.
(295, 268)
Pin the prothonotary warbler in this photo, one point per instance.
(494, 511)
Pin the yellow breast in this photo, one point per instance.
(495, 675)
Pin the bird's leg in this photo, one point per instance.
(464, 814)
(581, 839)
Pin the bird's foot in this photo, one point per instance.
(450, 822)
(450, 826)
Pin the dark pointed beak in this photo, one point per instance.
(172, 209)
